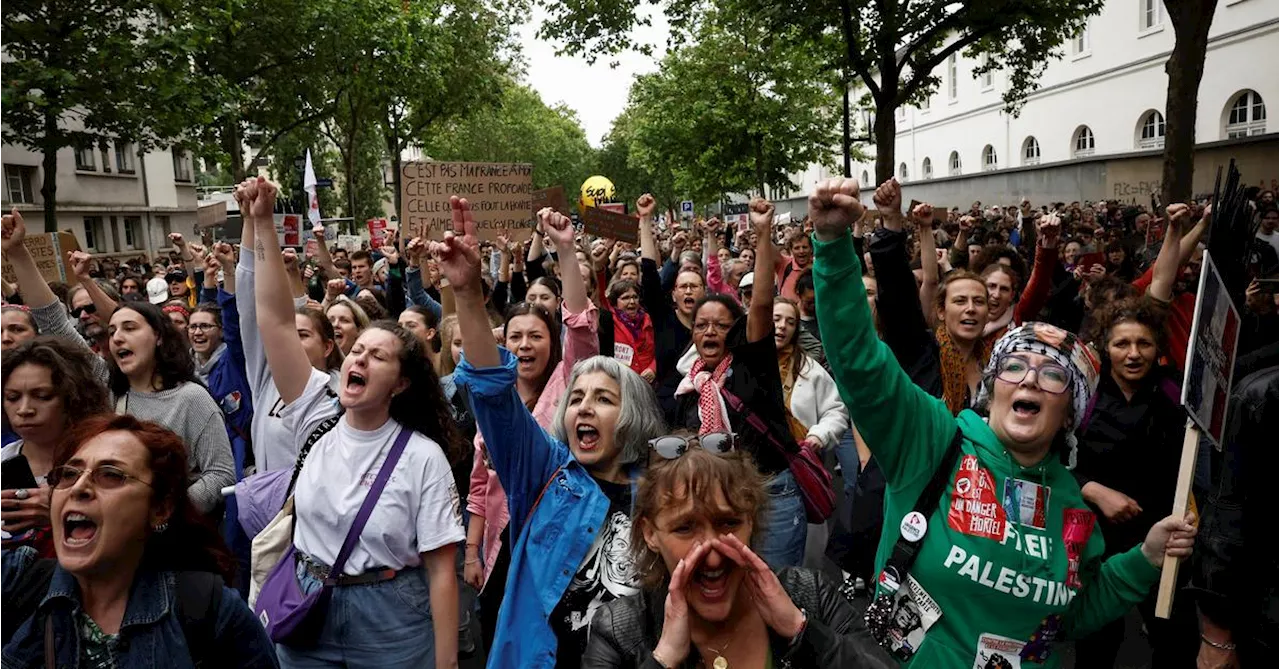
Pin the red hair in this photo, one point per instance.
(190, 542)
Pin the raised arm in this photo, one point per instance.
(323, 258)
(760, 314)
(79, 261)
(1187, 246)
(923, 217)
(35, 292)
(1036, 293)
(560, 230)
(648, 242)
(1164, 273)
(290, 368)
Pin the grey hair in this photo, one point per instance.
(639, 418)
(691, 256)
(729, 267)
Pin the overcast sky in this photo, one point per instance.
(597, 92)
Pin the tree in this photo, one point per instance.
(738, 109)
(632, 175)
(82, 74)
(521, 128)
(291, 147)
(891, 47)
(1191, 20)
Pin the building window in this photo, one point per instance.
(1248, 116)
(902, 171)
(926, 169)
(988, 78)
(1152, 17)
(953, 76)
(1083, 142)
(133, 232)
(902, 113)
(1080, 43)
(924, 104)
(17, 180)
(1151, 134)
(989, 161)
(1031, 152)
(92, 232)
(181, 165)
(84, 159)
(955, 163)
(866, 179)
(124, 157)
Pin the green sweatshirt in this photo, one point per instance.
(1007, 546)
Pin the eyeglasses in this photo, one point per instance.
(1050, 377)
(673, 446)
(201, 327)
(86, 309)
(107, 477)
(719, 327)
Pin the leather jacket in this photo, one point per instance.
(624, 632)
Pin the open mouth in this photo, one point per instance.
(712, 583)
(588, 436)
(969, 322)
(78, 529)
(688, 302)
(1134, 367)
(356, 382)
(123, 354)
(526, 361)
(1025, 408)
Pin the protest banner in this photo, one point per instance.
(292, 229)
(377, 232)
(736, 214)
(312, 248)
(349, 242)
(550, 197)
(49, 250)
(611, 225)
(500, 194)
(1206, 387)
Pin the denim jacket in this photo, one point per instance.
(150, 634)
(560, 530)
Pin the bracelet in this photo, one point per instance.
(475, 561)
(1228, 646)
(804, 623)
(663, 661)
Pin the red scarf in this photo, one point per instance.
(708, 387)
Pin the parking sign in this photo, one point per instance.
(686, 208)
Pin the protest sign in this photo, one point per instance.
(292, 228)
(500, 194)
(377, 232)
(550, 197)
(349, 242)
(736, 214)
(611, 225)
(49, 250)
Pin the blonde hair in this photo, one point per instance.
(444, 362)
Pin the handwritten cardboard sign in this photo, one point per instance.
(611, 225)
(501, 197)
(49, 250)
(550, 197)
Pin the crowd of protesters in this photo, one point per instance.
(574, 451)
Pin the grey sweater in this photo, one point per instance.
(189, 410)
(53, 319)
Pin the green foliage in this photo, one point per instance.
(521, 128)
(293, 146)
(632, 175)
(737, 110)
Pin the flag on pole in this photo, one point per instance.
(309, 185)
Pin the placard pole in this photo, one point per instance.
(1181, 498)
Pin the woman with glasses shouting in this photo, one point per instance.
(734, 359)
(708, 599)
(570, 487)
(140, 576)
(996, 555)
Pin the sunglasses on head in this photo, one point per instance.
(673, 446)
(87, 309)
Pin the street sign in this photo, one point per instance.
(686, 208)
(324, 183)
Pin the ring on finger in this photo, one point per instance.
(21, 493)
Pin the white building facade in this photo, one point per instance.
(1102, 103)
(118, 202)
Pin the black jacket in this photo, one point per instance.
(625, 631)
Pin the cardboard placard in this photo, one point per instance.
(611, 225)
(500, 194)
(349, 242)
(49, 250)
(292, 229)
(1211, 354)
(377, 232)
(550, 197)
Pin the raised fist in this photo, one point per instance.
(834, 207)
(645, 205)
(14, 231)
(761, 214)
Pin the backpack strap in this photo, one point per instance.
(905, 550)
(198, 601)
(321, 430)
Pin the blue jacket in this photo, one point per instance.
(228, 381)
(555, 539)
(150, 634)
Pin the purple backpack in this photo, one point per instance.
(261, 496)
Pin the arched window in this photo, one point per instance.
(1083, 141)
(866, 179)
(1031, 151)
(926, 169)
(1151, 130)
(902, 171)
(955, 163)
(989, 161)
(1248, 116)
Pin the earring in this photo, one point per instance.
(161, 527)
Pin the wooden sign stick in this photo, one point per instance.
(1181, 498)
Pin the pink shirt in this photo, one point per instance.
(486, 497)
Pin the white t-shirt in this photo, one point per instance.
(419, 508)
(1273, 239)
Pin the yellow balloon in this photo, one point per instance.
(596, 190)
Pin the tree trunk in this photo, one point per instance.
(49, 162)
(235, 152)
(1185, 68)
(846, 27)
(885, 131)
(847, 143)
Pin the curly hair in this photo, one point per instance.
(693, 479)
(190, 542)
(422, 405)
(173, 364)
(70, 369)
(1141, 310)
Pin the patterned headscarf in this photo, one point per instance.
(1063, 348)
